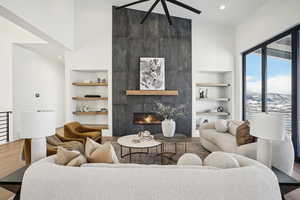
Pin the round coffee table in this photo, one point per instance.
(128, 142)
(178, 138)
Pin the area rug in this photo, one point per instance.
(154, 158)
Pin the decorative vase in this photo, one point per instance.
(168, 127)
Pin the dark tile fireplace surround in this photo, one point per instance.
(155, 38)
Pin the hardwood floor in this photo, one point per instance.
(10, 160)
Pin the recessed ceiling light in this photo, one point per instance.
(222, 7)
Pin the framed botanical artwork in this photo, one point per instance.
(152, 74)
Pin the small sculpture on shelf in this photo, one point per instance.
(83, 108)
(220, 109)
(203, 93)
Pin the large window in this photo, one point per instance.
(253, 84)
(270, 77)
(279, 79)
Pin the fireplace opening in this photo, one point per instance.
(146, 119)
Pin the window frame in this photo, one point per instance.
(294, 32)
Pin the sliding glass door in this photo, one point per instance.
(270, 80)
(279, 79)
(253, 84)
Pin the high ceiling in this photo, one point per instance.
(236, 10)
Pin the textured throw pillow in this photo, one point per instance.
(69, 158)
(78, 161)
(243, 135)
(221, 125)
(189, 159)
(98, 153)
(233, 125)
(221, 160)
(64, 156)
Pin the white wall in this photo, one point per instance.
(274, 17)
(33, 73)
(93, 41)
(9, 34)
(213, 46)
(53, 17)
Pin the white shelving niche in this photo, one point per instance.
(84, 82)
(218, 91)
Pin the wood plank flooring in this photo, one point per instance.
(10, 161)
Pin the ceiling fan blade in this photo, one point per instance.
(150, 10)
(164, 4)
(178, 3)
(131, 4)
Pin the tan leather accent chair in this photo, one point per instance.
(76, 130)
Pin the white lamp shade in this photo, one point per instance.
(38, 124)
(268, 126)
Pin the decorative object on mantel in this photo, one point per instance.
(169, 114)
(165, 7)
(152, 74)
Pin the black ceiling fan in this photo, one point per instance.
(165, 7)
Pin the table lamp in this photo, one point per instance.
(37, 125)
(267, 127)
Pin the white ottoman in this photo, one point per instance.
(189, 159)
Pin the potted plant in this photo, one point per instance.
(169, 115)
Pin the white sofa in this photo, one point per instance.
(48, 181)
(212, 140)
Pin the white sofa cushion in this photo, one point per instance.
(210, 134)
(226, 142)
(221, 160)
(189, 159)
(168, 182)
(221, 125)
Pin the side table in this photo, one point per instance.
(286, 182)
(178, 138)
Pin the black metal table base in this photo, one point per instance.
(132, 153)
(163, 154)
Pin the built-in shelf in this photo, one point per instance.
(90, 84)
(90, 113)
(213, 113)
(212, 84)
(90, 98)
(152, 92)
(99, 126)
(213, 99)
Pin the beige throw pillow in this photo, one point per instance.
(98, 153)
(64, 156)
(69, 158)
(233, 125)
(78, 161)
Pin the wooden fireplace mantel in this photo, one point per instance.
(152, 92)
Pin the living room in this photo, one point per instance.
(149, 94)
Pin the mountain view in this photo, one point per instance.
(275, 103)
